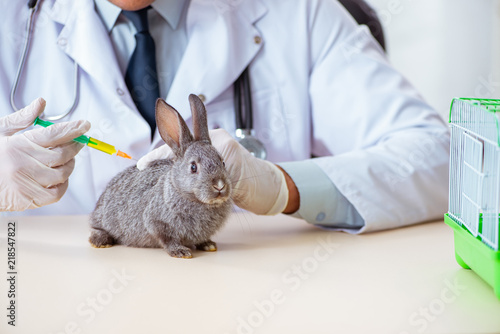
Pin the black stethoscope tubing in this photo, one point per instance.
(242, 88)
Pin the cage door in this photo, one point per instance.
(472, 183)
(490, 197)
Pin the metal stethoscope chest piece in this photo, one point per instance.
(243, 107)
(252, 144)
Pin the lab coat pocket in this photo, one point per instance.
(270, 123)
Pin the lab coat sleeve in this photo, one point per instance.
(382, 146)
(314, 186)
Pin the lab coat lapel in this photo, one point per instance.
(222, 42)
(57, 10)
(85, 39)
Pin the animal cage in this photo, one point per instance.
(474, 194)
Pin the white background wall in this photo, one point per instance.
(446, 48)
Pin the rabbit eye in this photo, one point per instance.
(223, 164)
(194, 168)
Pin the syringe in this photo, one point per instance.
(90, 142)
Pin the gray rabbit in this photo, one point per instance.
(175, 203)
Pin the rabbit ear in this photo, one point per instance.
(173, 130)
(200, 127)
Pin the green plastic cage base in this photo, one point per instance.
(471, 253)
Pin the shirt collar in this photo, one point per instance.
(170, 10)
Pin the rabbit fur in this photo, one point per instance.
(176, 203)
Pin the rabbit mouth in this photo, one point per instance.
(215, 200)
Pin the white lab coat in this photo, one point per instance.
(321, 86)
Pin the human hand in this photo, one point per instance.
(258, 185)
(36, 164)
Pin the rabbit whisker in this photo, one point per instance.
(243, 219)
(245, 178)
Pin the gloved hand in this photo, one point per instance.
(258, 185)
(35, 164)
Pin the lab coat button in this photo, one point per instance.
(120, 91)
(62, 41)
(320, 217)
(257, 39)
(202, 97)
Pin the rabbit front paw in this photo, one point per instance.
(179, 251)
(207, 246)
(100, 239)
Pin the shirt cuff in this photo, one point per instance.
(321, 203)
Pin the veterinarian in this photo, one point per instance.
(321, 87)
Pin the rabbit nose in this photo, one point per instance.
(219, 186)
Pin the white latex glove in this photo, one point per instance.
(35, 164)
(258, 185)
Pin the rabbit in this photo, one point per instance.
(176, 203)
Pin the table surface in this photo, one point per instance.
(270, 275)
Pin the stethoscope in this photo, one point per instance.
(244, 127)
(32, 5)
(242, 97)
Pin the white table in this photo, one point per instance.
(270, 275)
